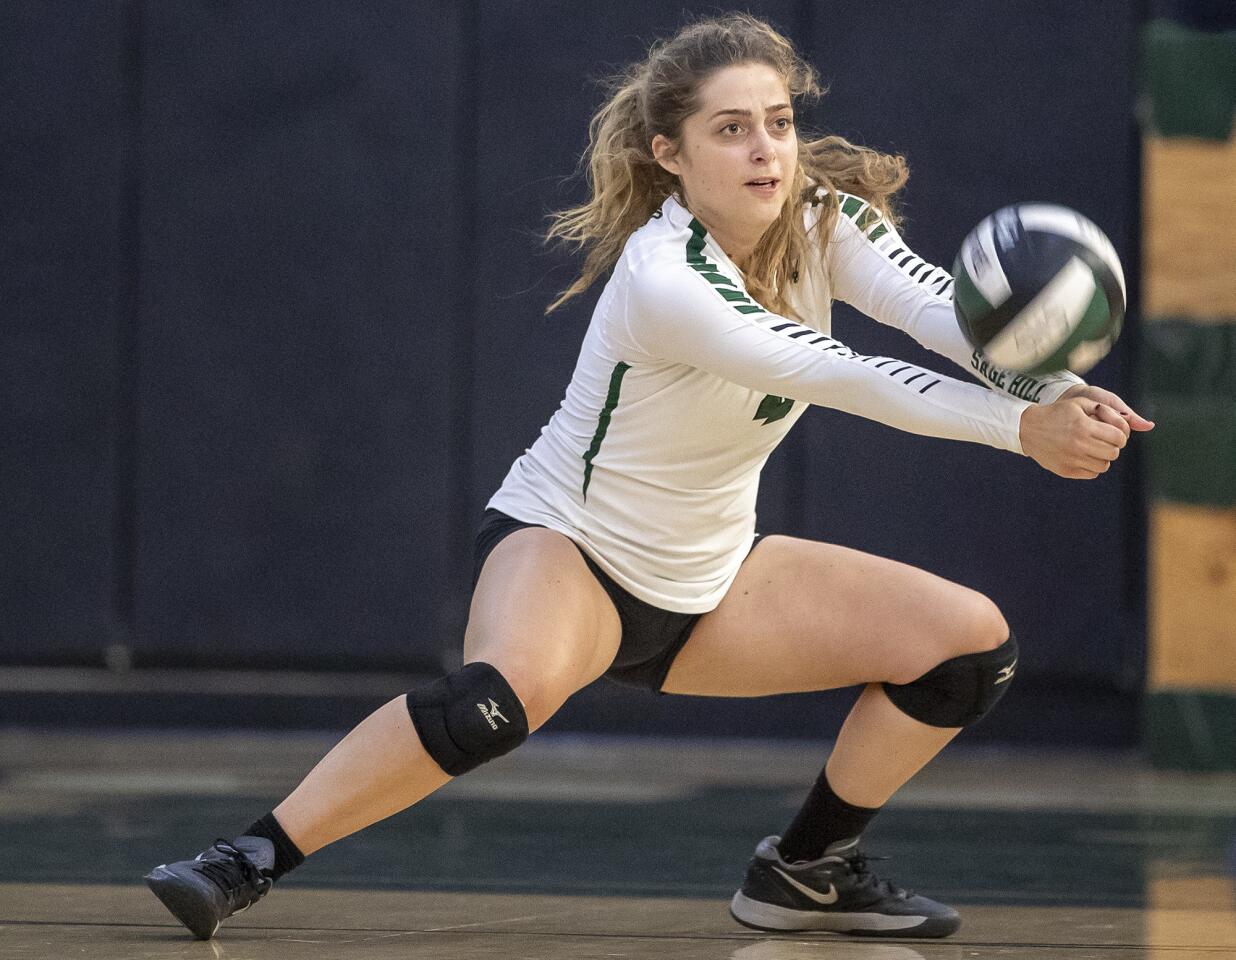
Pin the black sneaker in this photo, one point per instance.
(224, 879)
(837, 893)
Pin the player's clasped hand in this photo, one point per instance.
(1132, 418)
(1080, 435)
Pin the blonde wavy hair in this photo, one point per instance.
(627, 185)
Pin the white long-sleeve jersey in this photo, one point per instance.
(685, 385)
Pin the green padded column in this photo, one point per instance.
(1190, 78)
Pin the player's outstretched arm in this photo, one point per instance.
(1075, 437)
(677, 315)
(874, 270)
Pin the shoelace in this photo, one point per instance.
(231, 874)
(857, 862)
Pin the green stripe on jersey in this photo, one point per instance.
(863, 215)
(695, 246)
(611, 401)
(725, 287)
(867, 218)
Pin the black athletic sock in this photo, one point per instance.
(824, 818)
(287, 854)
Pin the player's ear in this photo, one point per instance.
(665, 152)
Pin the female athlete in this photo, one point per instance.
(623, 543)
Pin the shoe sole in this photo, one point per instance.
(184, 902)
(768, 916)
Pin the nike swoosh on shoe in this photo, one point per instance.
(824, 899)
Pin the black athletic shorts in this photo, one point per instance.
(651, 637)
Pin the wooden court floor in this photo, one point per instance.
(598, 848)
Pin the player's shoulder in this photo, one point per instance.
(670, 267)
(664, 245)
(669, 228)
(853, 213)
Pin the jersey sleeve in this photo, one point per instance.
(871, 268)
(707, 322)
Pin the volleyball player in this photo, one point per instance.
(622, 543)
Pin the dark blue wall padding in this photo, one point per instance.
(61, 147)
(300, 262)
(1209, 15)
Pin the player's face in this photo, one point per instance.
(737, 154)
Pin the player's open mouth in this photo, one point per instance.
(765, 185)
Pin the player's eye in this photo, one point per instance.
(783, 123)
(731, 128)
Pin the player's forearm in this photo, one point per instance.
(935, 327)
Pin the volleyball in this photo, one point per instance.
(1039, 288)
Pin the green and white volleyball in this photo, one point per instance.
(1039, 288)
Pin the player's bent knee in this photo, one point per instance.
(959, 691)
(982, 625)
(991, 628)
(468, 717)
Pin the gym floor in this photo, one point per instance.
(579, 847)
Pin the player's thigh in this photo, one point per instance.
(804, 616)
(541, 618)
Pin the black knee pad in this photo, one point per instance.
(468, 717)
(960, 691)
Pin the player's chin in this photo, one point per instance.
(765, 210)
(769, 216)
(776, 205)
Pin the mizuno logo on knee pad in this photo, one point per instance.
(959, 691)
(468, 717)
(491, 711)
(1006, 673)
